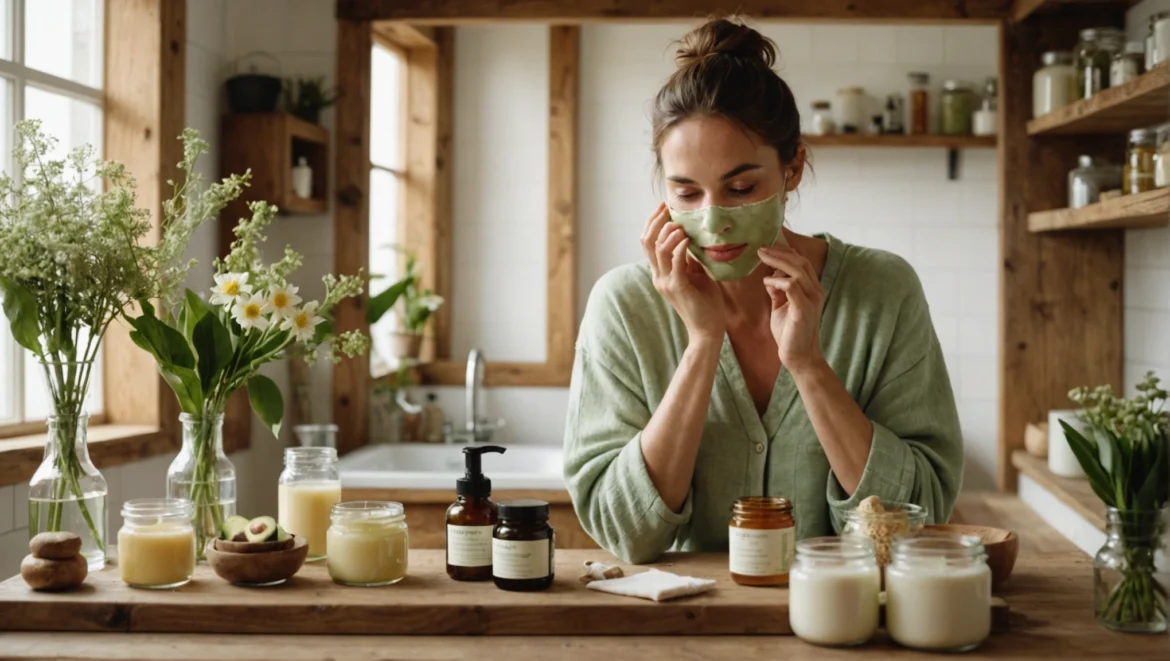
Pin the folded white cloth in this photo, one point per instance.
(655, 585)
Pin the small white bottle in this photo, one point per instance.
(302, 178)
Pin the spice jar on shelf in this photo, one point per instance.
(1089, 179)
(1138, 172)
(985, 121)
(893, 115)
(1055, 84)
(1158, 40)
(1162, 158)
(918, 110)
(1128, 64)
(955, 109)
(761, 541)
(849, 109)
(1094, 57)
(822, 119)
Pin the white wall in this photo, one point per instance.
(147, 478)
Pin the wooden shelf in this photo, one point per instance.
(1142, 102)
(294, 204)
(897, 141)
(1021, 9)
(270, 144)
(1149, 209)
(1074, 492)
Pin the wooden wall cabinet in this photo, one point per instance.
(270, 144)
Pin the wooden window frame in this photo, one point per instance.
(426, 224)
(144, 94)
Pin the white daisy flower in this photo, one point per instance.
(303, 323)
(249, 311)
(431, 302)
(228, 286)
(284, 300)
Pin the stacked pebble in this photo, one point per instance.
(55, 562)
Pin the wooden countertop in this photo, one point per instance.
(1051, 616)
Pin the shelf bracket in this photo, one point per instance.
(952, 163)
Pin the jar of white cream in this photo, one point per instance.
(938, 592)
(833, 591)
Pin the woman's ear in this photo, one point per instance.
(794, 171)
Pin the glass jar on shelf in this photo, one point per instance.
(1128, 64)
(822, 122)
(1138, 172)
(1094, 57)
(1158, 40)
(955, 109)
(1054, 84)
(849, 109)
(985, 120)
(1162, 158)
(1089, 179)
(918, 109)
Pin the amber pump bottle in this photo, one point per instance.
(471, 520)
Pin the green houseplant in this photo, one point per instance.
(74, 259)
(417, 307)
(1126, 462)
(206, 350)
(307, 97)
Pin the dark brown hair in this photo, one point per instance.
(725, 69)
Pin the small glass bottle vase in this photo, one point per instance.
(67, 493)
(1131, 572)
(203, 474)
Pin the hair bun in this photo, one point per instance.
(728, 38)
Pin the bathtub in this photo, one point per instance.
(421, 466)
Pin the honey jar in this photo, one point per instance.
(761, 541)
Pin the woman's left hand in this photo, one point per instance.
(797, 301)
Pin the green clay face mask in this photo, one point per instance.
(715, 233)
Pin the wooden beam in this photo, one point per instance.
(145, 84)
(404, 35)
(1060, 293)
(443, 255)
(465, 11)
(351, 378)
(1022, 9)
(1148, 209)
(564, 85)
(417, 224)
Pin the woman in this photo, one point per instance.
(744, 358)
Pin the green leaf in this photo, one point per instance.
(21, 309)
(167, 345)
(147, 307)
(185, 382)
(194, 309)
(1153, 493)
(213, 343)
(266, 401)
(381, 304)
(1088, 456)
(323, 332)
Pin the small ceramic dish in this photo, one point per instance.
(1002, 547)
(257, 569)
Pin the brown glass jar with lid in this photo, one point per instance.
(761, 541)
(523, 546)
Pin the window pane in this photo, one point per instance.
(38, 403)
(6, 29)
(383, 257)
(71, 121)
(8, 376)
(385, 109)
(76, 54)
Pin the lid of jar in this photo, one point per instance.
(919, 77)
(820, 105)
(1056, 57)
(374, 511)
(1099, 34)
(851, 90)
(762, 504)
(955, 85)
(524, 510)
(1142, 135)
(1154, 18)
(1085, 161)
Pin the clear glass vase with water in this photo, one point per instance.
(203, 474)
(67, 493)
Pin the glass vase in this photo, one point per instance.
(67, 493)
(203, 474)
(1131, 573)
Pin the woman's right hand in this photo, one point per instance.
(682, 280)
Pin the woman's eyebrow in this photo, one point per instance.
(739, 169)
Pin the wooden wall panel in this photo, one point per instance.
(564, 85)
(444, 255)
(1060, 293)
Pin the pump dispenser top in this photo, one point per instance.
(474, 484)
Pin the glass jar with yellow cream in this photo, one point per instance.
(761, 541)
(368, 543)
(156, 545)
(308, 489)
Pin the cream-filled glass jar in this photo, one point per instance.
(833, 591)
(309, 488)
(156, 545)
(938, 592)
(368, 543)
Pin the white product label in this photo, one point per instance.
(521, 560)
(761, 552)
(469, 546)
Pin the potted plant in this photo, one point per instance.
(74, 259)
(307, 97)
(1125, 457)
(416, 308)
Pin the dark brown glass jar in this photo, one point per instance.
(761, 541)
(523, 546)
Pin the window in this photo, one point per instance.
(386, 181)
(51, 70)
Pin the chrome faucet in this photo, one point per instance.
(476, 429)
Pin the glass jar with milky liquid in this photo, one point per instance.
(309, 488)
(833, 591)
(368, 543)
(156, 545)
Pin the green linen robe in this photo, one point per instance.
(876, 334)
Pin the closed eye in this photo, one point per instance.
(742, 191)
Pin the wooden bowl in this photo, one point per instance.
(1002, 547)
(254, 547)
(256, 569)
